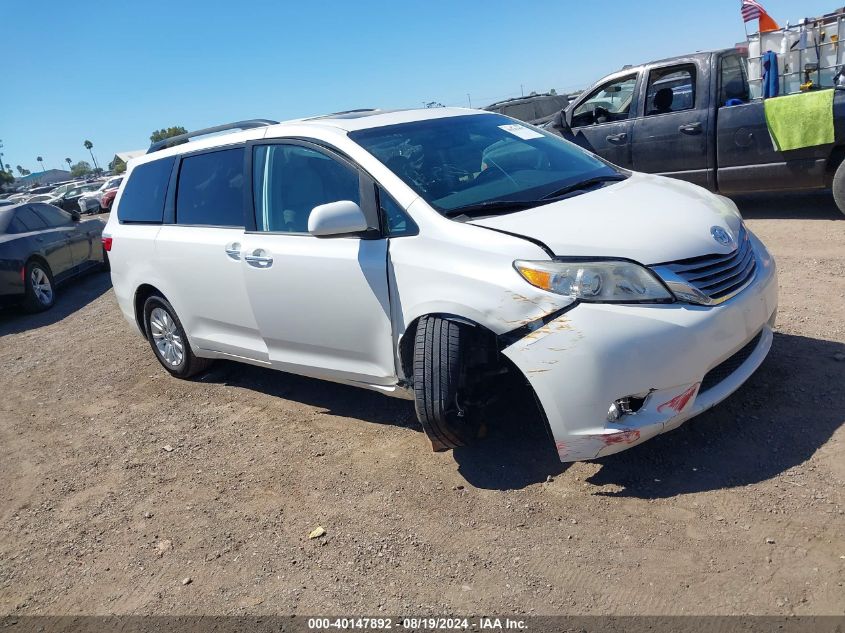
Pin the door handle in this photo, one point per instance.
(259, 259)
(617, 138)
(233, 250)
(690, 128)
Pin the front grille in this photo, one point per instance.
(719, 276)
(729, 366)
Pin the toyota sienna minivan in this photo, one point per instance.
(421, 253)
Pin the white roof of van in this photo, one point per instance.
(343, 122)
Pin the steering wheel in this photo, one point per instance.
(601, 115)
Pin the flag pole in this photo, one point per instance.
(744, 23)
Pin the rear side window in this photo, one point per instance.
(144, 194)
(53, 215)
(210, 190)
(734, 83)
(27, 219)
(671, 90)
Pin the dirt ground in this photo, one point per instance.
(120, 482)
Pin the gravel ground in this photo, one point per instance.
(121, 483)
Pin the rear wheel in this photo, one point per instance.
(440, 383)
(168, 339)
(38, 281)
(839, 186)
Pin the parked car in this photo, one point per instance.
(535, 109)
(40, 197)
(62, 189)
(693, 118)
(107, 199)
(42, 246)
(423, 253)
(92, 202)
(69, 201)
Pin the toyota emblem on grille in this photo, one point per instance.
(721, 235)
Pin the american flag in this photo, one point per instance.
(751, 10)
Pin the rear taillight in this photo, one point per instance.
(107, 244)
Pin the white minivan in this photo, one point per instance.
(420, 253)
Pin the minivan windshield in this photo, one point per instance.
(484, 163)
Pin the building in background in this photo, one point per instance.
(42, 178)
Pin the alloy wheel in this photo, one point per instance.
(41, 286)
(167, 337)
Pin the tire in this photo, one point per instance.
(438, 380)
(164, 328)
(39, 287)
(838, 186)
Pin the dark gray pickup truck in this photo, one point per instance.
(672, 117)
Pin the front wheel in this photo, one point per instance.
(168, 339)
(439, 383)
(839, 186)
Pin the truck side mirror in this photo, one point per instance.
(559, 123)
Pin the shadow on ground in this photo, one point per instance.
(70, 297)
(786, 411)
(335, 399)
(817, 205)
(516, 451)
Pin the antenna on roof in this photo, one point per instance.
(184, 138)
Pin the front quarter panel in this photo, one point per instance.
(466, 271)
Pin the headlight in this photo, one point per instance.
(601, 281)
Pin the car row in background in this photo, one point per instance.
(92, 202)
(77, 195)
(69, 201)
(42, 246)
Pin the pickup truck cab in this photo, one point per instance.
(693, 118)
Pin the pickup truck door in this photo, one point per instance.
(600, 121)
(672, 131)
(746, 157)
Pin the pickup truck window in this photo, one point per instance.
(733, 80)
(670, 89)
(610, 102)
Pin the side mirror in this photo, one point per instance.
(559, 123)
(74, 215)
(337, 219)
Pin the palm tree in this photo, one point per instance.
(8, 168)
(20, 169)
(90, 147)
(41, 160)
(68, 161)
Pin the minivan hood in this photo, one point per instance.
(650, 219)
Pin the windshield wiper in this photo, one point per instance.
(584, 184)
(492, 207)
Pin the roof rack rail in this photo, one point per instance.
(184, 138)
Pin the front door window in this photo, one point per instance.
(611, 102)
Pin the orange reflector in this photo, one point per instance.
(539, 278)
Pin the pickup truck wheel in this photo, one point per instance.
(439, 365)
(839, 186)
(168, 339)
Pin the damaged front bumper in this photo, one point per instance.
(681, 359)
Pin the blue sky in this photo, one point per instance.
(113, 72)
